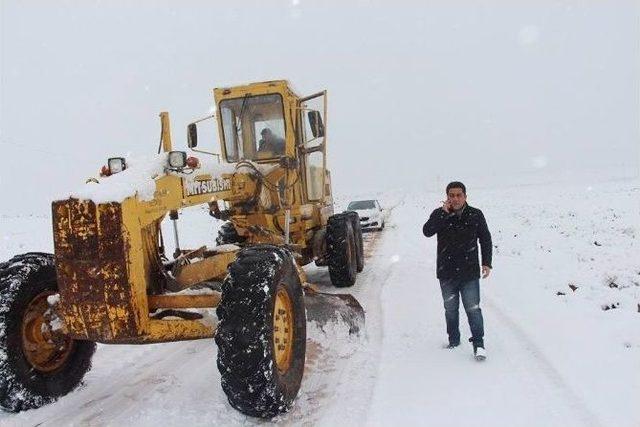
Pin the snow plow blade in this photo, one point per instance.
(323, 308)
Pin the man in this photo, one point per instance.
(270, 142)
(459, 227)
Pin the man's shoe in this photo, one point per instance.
(452, 345)
(479, 353)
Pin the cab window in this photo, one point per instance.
(253, 127)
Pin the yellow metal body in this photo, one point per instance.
(108, 259)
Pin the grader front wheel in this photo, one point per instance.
(38, 363)
(45, 349)
(283, 325)
(261, 333)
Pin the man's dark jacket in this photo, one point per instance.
(458, 242)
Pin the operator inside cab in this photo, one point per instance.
(270, 144)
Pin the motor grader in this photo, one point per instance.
(111, 281)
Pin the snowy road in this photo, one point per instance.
(550, 362)
(448, 386)
(554, 359)
(517, 385)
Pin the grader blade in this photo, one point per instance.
(324, 308)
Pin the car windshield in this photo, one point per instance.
(361, 204)
(253, 127)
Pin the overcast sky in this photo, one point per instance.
(420, 93)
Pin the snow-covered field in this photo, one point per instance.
(562, 320)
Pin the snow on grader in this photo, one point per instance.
(111, 281)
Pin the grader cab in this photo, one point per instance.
(111, 281)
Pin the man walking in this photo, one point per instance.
(459, 228)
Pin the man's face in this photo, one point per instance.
(456, 197)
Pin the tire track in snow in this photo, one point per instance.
(117, 394)
(543, 366)
(340, 372)
(352, 395)
(335, 361)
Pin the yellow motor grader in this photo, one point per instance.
(111, 281)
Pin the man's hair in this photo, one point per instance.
(456, 184)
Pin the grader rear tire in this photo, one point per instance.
(261, 333)
(357, 230)
(37, 365)
(342, 256)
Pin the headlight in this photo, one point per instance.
(177, 159)
(116, 164)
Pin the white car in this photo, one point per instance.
(370, 212)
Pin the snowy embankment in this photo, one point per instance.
(561, 319)
(553, 359)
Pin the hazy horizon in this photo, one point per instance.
(419, 92)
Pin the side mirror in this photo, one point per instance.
(192, 135)
(315, 121)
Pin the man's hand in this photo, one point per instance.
(486, 271)
(446, 206)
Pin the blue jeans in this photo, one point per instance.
(452, 289)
